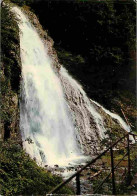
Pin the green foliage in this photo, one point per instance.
(10, 48)
(10, 69)
(73, 63)
(22, 2)
(21, 175)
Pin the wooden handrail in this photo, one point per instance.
(90, 163)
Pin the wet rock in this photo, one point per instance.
(56, 166)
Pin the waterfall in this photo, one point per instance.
(45, 121)
(58, 122)
(114, 116)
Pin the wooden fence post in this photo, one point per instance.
(112, 171)
(128, 151)
(78, 184)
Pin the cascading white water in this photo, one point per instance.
(114, 116)
(120, 121)
(51, 126)
(85, 102)
(87, 119)
(87, 115)
(44, 114)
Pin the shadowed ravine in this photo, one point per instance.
(57, 120)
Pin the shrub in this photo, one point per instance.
(21, 175)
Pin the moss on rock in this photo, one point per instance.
(10, 73)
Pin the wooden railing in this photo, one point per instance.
(113, 168)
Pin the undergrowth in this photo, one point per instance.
(19, 174)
